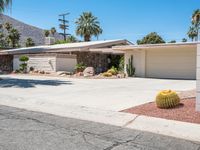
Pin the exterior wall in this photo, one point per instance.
(198, 79)
(43, 62)
(6, 63)
(66, 63)
(96, 60)
(173, 63)
(138, 62)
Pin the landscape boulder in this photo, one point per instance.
(88, 72)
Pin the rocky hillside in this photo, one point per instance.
(27, 31)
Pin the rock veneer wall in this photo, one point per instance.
(6, 63)
(97, 60)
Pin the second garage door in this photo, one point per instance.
(171, 63)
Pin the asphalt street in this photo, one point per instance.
(25, 130)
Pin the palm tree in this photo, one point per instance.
(71, 39)
(13, 38)
(53, 31)
(4, 4)
(8, 26)
(192, 33)
(29, 42)
(46, 33)
(87, 26)
(196, 21)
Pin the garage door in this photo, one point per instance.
(173, 63)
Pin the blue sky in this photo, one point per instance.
(120, 19)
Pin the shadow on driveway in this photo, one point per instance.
(28, 83)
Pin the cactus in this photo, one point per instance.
(129, 67)
(167, 99)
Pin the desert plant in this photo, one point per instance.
(80, 67)
(113, 71)
(107, 74)
(87, 26)
(121, 64)
(46, 33)
(129, 67)
(23, 66)
(167, 99)
(29, 42)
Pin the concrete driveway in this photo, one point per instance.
(103, 94)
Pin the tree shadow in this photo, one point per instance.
(30, 83)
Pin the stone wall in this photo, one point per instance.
(96, 60)
(6, 63)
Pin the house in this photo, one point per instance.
(170, 60)
(64, 57)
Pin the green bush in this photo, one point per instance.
(23, 66)
(113, 71)
(80, 67)
(107, 74)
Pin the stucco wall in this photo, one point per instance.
(6, 63)
(138, 62)
(198, 79)
(38, 62)
(66, 63)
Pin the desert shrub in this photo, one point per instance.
(80, 67)
(113, 71)
(107, 74)
(167, 99)
(31, 68)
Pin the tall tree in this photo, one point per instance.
(46, 33)
(5, 4)
(13, 38)
(196, 21)
(151, 38)
(88, 26)
(184, 40)
(53, 31)
(8, 26)
(71, 39)
(192, 33)
(29, 42)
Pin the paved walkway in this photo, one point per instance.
(26, 130)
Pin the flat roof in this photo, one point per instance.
(152, 46)
(68, 47)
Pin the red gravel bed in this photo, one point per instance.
(184, 112)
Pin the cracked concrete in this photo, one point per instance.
(22, 130)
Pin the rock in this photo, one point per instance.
(78, 74)
(63, 73)
(41, 72)
(88, 72)
(121, 75)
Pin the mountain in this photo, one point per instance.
(27, 31)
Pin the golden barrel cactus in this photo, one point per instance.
(167, 99)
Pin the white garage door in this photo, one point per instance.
(171, 63)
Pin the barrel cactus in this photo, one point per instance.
(167, 99)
